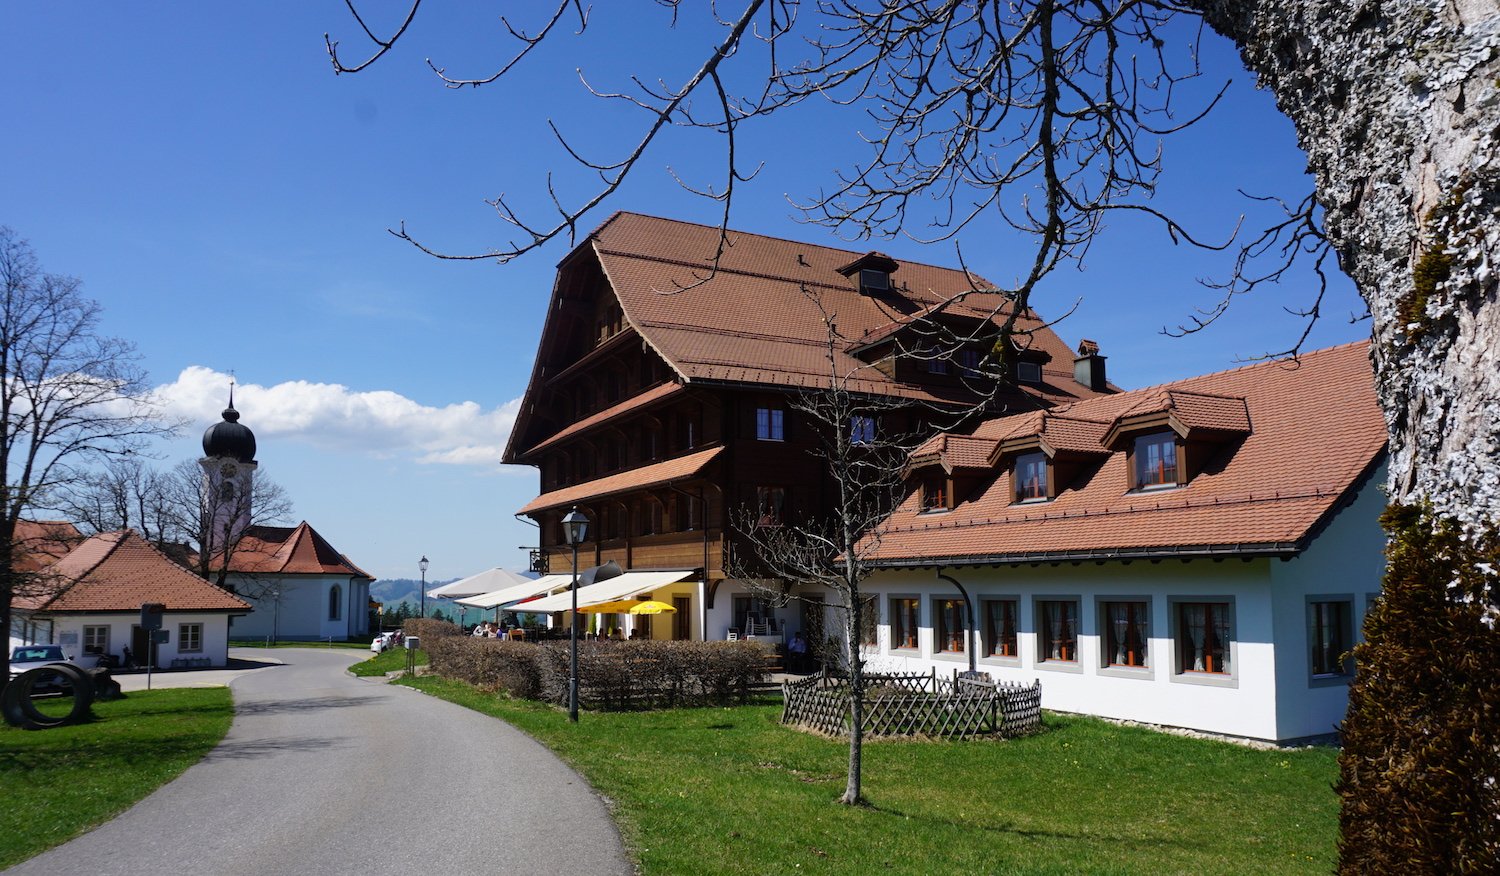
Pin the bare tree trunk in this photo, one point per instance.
(853, 794)
(1396, 105)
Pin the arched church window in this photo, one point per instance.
(335, 602)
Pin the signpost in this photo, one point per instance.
(151, 620)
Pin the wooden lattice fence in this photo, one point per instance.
(915, 705)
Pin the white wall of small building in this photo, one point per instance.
(1270, 692)
(67, 631)
(300, 612)
(1240, 703)
(1345, 562)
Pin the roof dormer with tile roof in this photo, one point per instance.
(1282, 444)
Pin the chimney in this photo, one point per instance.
(1088, 367)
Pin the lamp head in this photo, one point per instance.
(575, 526)
(422, 564)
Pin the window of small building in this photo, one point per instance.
(904, 611)
(650, 443)
(951, 628)
(1156, 460)
(335, 602)
(1126, 633)
(1000, 628)
(1058, 641)
(189, 638)
(770, 505)
(1203, 636)
(96, 639)
(1329, 633)
(1031, 477)
(770, 424)
(861, 430)
(937, 363)
(968, 362)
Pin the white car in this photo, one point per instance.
(382, 642)
(31, 656)
(34, 656)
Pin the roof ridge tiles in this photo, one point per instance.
(774, 237)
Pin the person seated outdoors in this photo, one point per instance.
(637, 634)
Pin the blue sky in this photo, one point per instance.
(226, 197)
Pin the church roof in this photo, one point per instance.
(229, 438)
(290, 550)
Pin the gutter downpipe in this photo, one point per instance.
(973, 619)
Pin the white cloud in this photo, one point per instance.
(378, 423)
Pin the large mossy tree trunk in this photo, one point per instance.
(1395, 102)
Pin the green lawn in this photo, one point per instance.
(387, 661)
(731, 791)
(58, 783)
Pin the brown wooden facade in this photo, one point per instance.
(661, 458)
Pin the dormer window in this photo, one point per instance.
(968, 360)
(1028, 372)
(872, 280)
(1156, 460)
(1031, 477)
(874, 271)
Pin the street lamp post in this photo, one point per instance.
(422, 564)
(575, 527)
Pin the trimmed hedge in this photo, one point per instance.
(612, 675)
(1421, 741)
(429, 629)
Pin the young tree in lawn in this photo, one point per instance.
(863, 454)
(69, 396)
(1047, 114)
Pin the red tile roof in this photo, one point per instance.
(1314, 430)
(750, 320)
(656, 474)
(290, 550)
(117, 571)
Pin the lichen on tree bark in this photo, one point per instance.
(1396, 105)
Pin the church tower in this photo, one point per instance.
(228, 468)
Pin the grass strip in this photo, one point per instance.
(702, 791)
(59, 783)
(391, 660)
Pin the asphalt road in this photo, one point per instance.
(324, 773)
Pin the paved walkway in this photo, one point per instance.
(322, 772)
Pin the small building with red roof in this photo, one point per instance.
(89, 601)
(1199, 554)
(300, 586)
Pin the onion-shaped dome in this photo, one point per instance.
(230, 438)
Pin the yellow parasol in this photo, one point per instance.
(626, 606)
(617, 607)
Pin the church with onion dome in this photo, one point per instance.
(300, 586)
